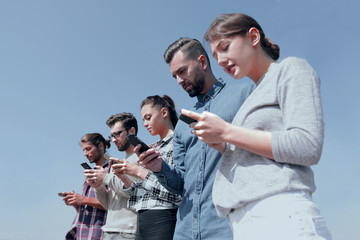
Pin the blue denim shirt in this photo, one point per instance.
(196, 166)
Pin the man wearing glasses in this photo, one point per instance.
(120, 221)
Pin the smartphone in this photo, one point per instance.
(61, 194)
(134, 140)
(107, 156)
(187, 119)
(85, 165)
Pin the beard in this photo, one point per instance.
(96, 157)
(198, 84)
(123, 147)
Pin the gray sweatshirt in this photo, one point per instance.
(114, 199)
(286, 102)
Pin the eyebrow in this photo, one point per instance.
(217, 46)
(181, 68)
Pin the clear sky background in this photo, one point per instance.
(66, 66)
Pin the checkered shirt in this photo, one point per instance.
(88, 220)
(150, 193)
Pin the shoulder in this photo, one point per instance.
(239, 88)
(132, 158)
(295, 65)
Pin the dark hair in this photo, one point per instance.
(162, 102)
(192, 48)
(228, 25)
(127, 119)
(95, 139)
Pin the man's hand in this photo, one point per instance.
(120, 166)
(73, 199)
(95, 177)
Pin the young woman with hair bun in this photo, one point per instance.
(155, 205)
(264, 184)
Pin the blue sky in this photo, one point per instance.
(66, 66)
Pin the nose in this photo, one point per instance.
(179, 80)
(146, 124)
(221, 60)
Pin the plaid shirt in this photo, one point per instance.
(88, 220)
(150, 193)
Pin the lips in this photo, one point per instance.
(230, 69)
(186, 86)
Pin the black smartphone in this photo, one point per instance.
(85, 165)
(187, 119)
(134, 140)
(61, 194)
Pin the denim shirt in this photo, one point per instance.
(196, 166)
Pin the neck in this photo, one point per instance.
(101, 162)
(209, 81)
(261, 66)
(166, 132)
(129, 150)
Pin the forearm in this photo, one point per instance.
(116, 185)
(152, 184)
(92, 202)
(102, 195)
(255, 141)
(171, 178)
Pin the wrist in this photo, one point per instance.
(226, 134)
(142, 173)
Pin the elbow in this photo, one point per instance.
(302, 149)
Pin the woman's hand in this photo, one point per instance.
(150, 159)
(209, 127)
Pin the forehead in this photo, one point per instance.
(86, 145)
(179, 59)
(148, 109)
(118, 126)
(215, 44)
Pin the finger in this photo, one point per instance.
(116, 160)
(149, 157)
(137, 149)
(191, 114)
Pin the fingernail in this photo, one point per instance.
(180, 110)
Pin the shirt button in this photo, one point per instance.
(195, 215)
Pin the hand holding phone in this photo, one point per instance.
(62, 194)
(134, 140)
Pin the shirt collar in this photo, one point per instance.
(213, 91)
(163, 141)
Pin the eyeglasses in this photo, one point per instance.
(116, 134)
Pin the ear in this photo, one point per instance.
(254, 36)
(203, 61)
(132, 130)
(164, 112)
(101, 146)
